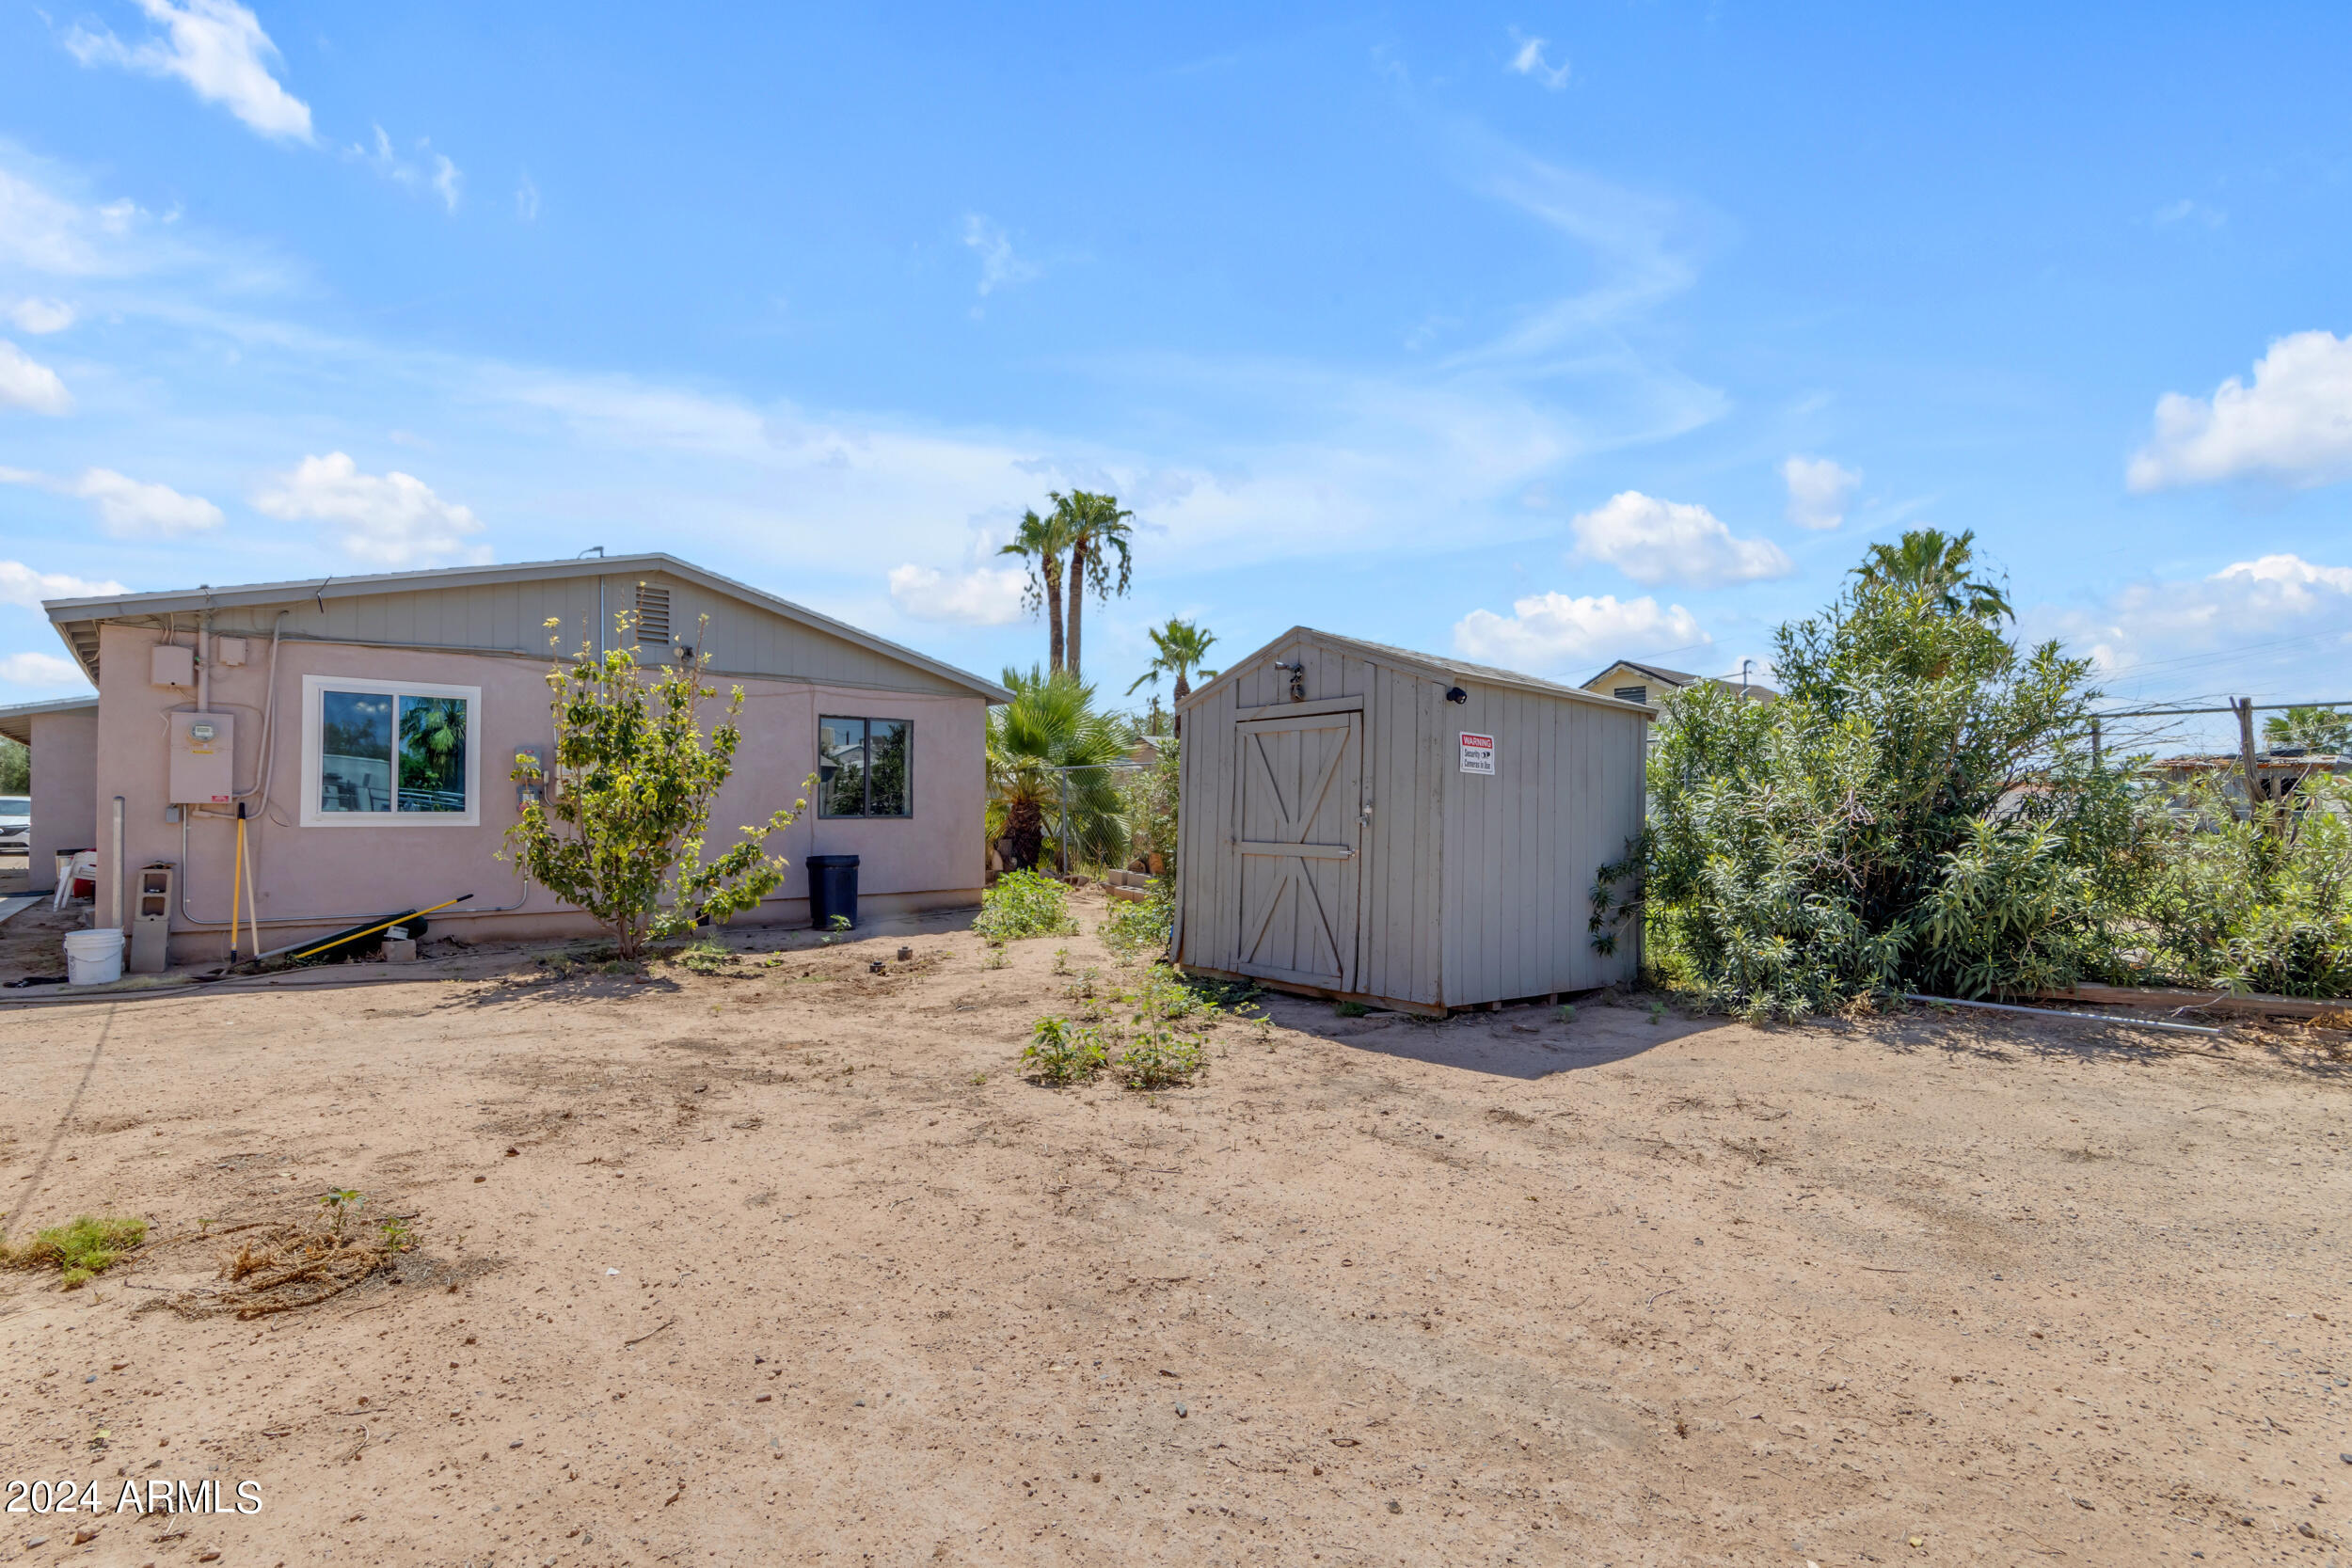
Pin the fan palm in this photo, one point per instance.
(2310, 729)
(1094, 529)
(1180, 647)
(1935, 564)
(1048, 745)
(1041, 542)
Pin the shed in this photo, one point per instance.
(1366, 823)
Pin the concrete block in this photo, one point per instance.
(401, 952)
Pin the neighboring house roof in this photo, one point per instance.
(1672, 677)
(1676, 678)
(1435, 666)
(16, 722)
(77, 620)
(2282, 761)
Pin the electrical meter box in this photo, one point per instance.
(203, 756)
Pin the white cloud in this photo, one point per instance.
(39, 670)
(2280, 613)
(443, 178)
(392, 519)
(128, 509)
(25, 383)
(45, 230)
(1819, 489)
(1000, 267)
(1655, 541)
(1530, 62)
(21, 586)
(984, 596)
(2184, 211)
(217, 47)
(1547, 630)
(527, 199)
(40, 317)
(2294, 424)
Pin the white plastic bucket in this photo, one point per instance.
(93, 957)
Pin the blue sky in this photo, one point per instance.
(1546, 335)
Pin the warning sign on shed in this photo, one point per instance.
(1478, 753)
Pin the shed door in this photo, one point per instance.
(1301, 816)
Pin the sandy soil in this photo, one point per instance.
(795, 1268)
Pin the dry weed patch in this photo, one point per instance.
(281, 1268)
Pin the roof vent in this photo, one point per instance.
(653, 614)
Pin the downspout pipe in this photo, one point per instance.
(121, 905)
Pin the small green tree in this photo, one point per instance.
(623, 836)
(16, 766)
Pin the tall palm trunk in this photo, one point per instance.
(1183, 690)
(1051, 568)
(1077, 598)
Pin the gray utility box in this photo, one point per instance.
(203, 757)
(151, 917)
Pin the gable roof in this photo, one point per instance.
(1672, 677)
(1451, 670)
(77, 620)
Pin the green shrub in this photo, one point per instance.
(2261, 905)
(89, 1245)
(1350, 1010)
(1060, 1052)
(1150, 793)
(1917, 813)
(1159, 1059)
(1164, 996)
(1146, 926)
(1024, 904)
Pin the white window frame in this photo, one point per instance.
(313, 726)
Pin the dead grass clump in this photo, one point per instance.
(79, 1251)
(281, 1268)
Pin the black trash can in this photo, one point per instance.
(832, 890)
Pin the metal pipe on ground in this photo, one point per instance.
(2062, 1012)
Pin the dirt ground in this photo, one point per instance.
(793, 1266)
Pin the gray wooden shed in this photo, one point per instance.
(1401, 829)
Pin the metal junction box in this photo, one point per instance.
(203, 757)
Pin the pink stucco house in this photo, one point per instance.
(368, 726)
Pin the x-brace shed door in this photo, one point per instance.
(1301, 817)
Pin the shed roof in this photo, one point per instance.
(16, 722)
(77, 620)
(1451, 671)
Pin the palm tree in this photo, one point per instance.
(2322, 729)
(1041, 542)
(1094, 529)
(1180, 647)
(1932, 563)
(1048, 745)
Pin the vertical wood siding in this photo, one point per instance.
(1474, 889)
(1523, 846)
